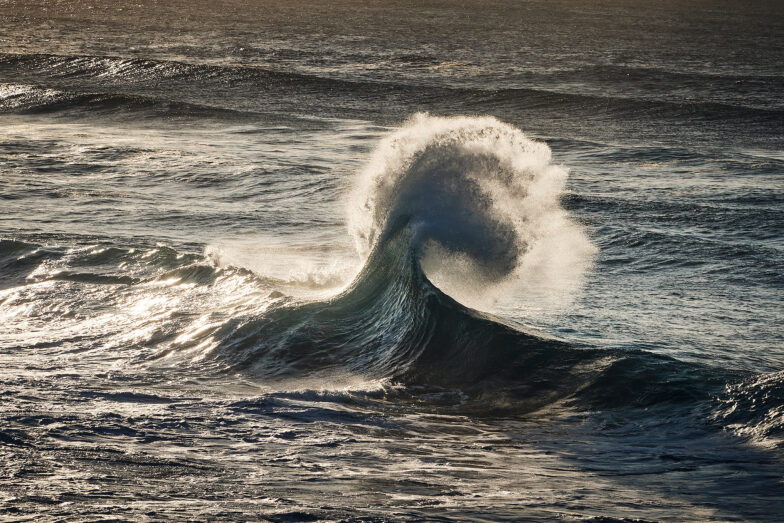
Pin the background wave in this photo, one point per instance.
(84, 73)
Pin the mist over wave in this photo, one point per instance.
(483, 201)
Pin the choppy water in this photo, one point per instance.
(517, 260)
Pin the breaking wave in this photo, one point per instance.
(474, 203)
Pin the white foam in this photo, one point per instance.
(300, 270)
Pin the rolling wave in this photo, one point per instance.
(32, 99)
(80, 74)
(113, 68)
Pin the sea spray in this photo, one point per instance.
(484, 201)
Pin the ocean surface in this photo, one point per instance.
(379, 261)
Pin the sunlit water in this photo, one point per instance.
(182, 201)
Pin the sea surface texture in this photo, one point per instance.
(377, 261)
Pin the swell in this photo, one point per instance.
(107, 74)
(735, 88)
(33, 99)
(114, 68)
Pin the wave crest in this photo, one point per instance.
(483, 201)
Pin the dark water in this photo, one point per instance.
(322, 261)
